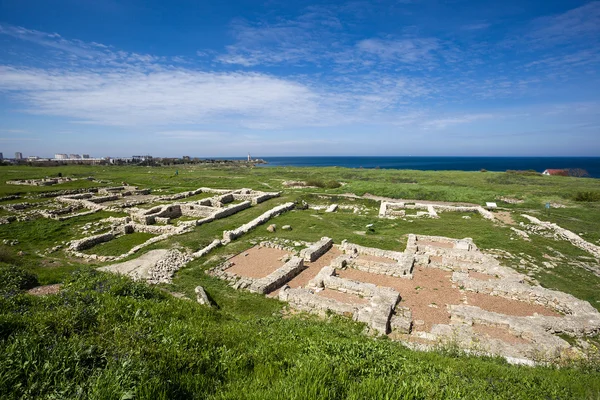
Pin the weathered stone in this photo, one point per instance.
(317, 249)
(201, 296)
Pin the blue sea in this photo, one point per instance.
(590, 164)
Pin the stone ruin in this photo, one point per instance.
(400, 209)
(519, 338)
(156, 220)
(44, 181)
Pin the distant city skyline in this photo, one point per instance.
(224, 79)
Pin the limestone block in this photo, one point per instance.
(317, 249)
(201, 296)
(332, 208)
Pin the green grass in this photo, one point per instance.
(106, 337)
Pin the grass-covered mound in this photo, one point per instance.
(106, 337)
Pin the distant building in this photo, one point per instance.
(556, 172)
(138, 159)
(18, 155)
(86, 156)
(1, 156)
(33, 158)
(61, 156)
(74, 156)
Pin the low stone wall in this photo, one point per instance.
(204, 251)
(279, 277)
(376, 314)
(402, 268)
(316, 250)
(81, 214)
(306, 300)
(389, 209)
(103, 199)
(514, 290)
(196, 210)
(264, 197)
(228, 236)
(89, 242)
(575, 239)
(233, 209)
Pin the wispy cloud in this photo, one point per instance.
(194, 134)
(457, 120)
(404, 50)
(578, 23)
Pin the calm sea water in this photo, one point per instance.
(590, 164)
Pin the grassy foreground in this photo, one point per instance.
(106, 337)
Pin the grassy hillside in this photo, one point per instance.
(105, 337)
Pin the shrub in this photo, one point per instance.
(6, 255)
(587, 196)
(483, 170)
(323, 184)
(15, 279)
(529, 172)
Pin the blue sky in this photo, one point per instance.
(224, 78)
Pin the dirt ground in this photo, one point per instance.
(445, 245)
(257, 262)
(426, 294)
(507, 306)
(44, 290)
(505, 216)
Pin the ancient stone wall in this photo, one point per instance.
(575, 239)
(316, 250)
(231, 235)
(89, 242)
(279, 277)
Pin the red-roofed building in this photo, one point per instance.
(556, 172)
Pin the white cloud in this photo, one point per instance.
(405, 50)
(194, 134)
(577, 23)
(443, 123)
(162, 96)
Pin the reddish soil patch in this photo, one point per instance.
(505, 217)
(506, 306)
(342, 297)
(499, 333)
(257, 262)
(481, 276)
(445, 245)
(314, 267)
(426, 294)
(44, 290)
(368, 257)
